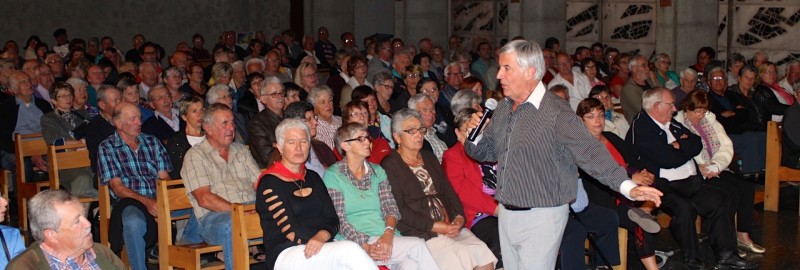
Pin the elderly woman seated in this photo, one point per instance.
(430, 208)
(714, 160)
(475, 185)
(614, 122)
(376, 118)
(64, 126)
(366, 207)
(357, 112)
(322, 99)
(463, 100)
(640, 227)
(297, 214)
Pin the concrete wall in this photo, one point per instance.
(537, 20)
(164, 22)
(697, 24)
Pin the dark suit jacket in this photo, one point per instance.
(248, 105)
(177, 146)
(411, 200)
(10, 111)
(336, 83)
(261, 130)
(650, 141)
(98, 130)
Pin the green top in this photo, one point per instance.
(34, 258)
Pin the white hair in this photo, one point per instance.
(653, 96)
(529, 55)
(291, 123)
(213, 94)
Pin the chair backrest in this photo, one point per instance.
(246, 226)
(170, 196)
(104, 198)
(66, 157)
(27, 145)
(773, 144)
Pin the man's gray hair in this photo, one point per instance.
(75, 82)
(270, 79)
(172, 71)
(103, 90)
(416, 99)
(213, 94)
(689, 72)
(208, 113)
(160, 85)
(635, 61)
(464, 99)
(381, 77)
(716, 69)
(452, 64)
(790, 64)
(653, 96)
(256, 60)
(529, 55)
(291, 123)
(317, 92)
(399, 117)
(42, 211)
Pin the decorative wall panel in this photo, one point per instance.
(478, 20)
(626, 25)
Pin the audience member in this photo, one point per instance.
(22, 113)
(577, 84)
(262, 127)
(357, 76)
(356, 112)
(101, 126)
(631, 96)
(191, 112)
(166, 120)
(322, 100)
(13, 242)
(614, 122)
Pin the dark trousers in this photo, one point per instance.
(741, 195)
(486, 230)
(600, 221)
(683, 200)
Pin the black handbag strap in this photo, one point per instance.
(5, 246)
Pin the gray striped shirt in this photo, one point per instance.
(537, 150)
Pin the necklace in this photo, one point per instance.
(415, 163)
(301, 191)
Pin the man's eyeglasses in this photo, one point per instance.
(354, 114)
(360, 139)
(277, 94)
(413, 131)
(429, 90)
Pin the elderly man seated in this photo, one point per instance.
(218, 172)
(130, 162)
(667, 147)
(63, 236)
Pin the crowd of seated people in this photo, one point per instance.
(368, 168)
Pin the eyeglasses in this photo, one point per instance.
(671, 104)
(277, 94)
(717, 78)
(455, 74)
(386, 85)
(65, 96)
(413, 131)
(360, 139)
(413, 75)
(429, 90)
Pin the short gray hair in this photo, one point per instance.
(529, 55)
(401, 116)
(381, 77)
(790, 64)
(75, 82)
(172, 70)
(42, 211)
(267, 81)
(690, 72)
(416, 99)
(256, 60)
(213, 94)
(316, 92)
(716, 69)
(103, 89)
(291, 123)
(208, 113)
(464, 99)
(346, 132)
(634, 61)
(653, 96)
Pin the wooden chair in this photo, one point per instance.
(5, 175)
(66, 157)
(623, 249)
(27, 145)
(246, 232)
(171, 196)
(104, 201)
(775, 173)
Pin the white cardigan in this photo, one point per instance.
(724, 155)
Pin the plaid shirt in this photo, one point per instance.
(327, 131)
(90, 262)
(388, 205)
(137, 168)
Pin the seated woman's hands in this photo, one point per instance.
(381, 249)
(709, 170)
(315, 243)
(451, 229)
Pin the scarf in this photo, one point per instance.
(783, 96)
(609, 115)
(278, 169)
(706, 131)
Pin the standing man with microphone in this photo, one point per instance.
(537, 141)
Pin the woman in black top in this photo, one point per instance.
(297, 215)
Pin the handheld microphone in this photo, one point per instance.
(490, 104)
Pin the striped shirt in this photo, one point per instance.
(537, 148)
(327, 131)
(137, 168)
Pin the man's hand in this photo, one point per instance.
(642, 193)
(676, 145)
(152, 206)
(39, 162)
(727, 113)
(474, 121)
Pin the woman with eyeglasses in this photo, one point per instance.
(770, 95)
(668, 78)
(402, 92)
(713, 163)
(589, 68)
(356, 112)
(429, 206)
(363, 200)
